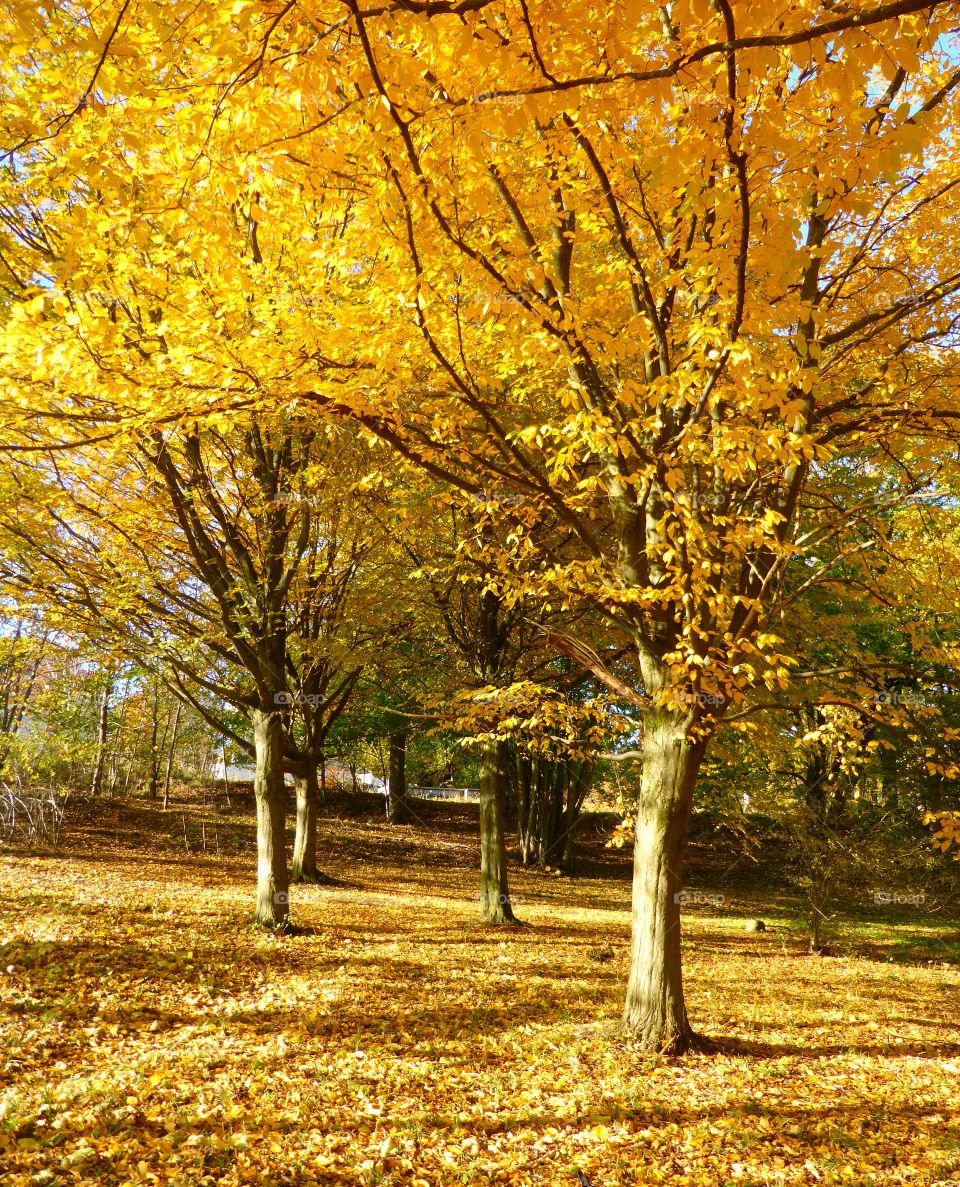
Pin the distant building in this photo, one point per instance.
(335, 774)
(339, 774)
(234, 773)
(238, 772)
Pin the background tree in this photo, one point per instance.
(186, 559)
(22, 653)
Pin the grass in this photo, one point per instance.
(150, 1035)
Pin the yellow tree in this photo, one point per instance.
(225, 563)
(500, 675)
(657, 267)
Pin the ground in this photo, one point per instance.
(149, 1035)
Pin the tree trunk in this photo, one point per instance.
(272, 885)
(129, 774)
(654, 1011)
(819, 896)
(153, 785)
(560, 791)
(226, 778)
(550, 794)
(531, 856)
(494, 895)
(304, 867)
(398, 810)
(580, 780)
(523, 801)
(113, 755)
(102, 724)
(170, 753)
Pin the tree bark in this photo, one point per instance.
(495, 904)
(523, 806)
(304, 866)
(550, 794)
(654, 1010)
(170, 753)
(130, 765)
(272, 884)
(113, 755)
(153, 785)
(398, 810)
(580, 779)
(226, 778)
(97, 782)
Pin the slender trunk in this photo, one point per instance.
(654, 1010)
(113, 764)
(129, 774)
(272, 885)
(226, 778)
(398, 810)
(153, 785)
(579, 786)
(102, 724)
(523, 798)
(170, 753)
(304, 867)
(819, 896)
(560, 800)
(494, 895)
(533, 800)
(815, 930)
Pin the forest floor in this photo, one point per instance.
(149, 1035)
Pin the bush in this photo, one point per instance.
(32, 815)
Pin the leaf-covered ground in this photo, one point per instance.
(150, 1036)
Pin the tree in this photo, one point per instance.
(549, 795)
(398, 810)
(103, 726)
(330, 636)
(21, 656)
(500, 666)
(187, 559)
(707, 285)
